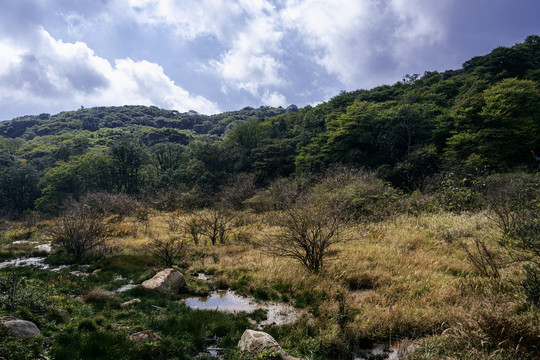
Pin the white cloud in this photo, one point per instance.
(59, 75)
(190, 18)
(366, 42)
(274, 99)
(252, 61)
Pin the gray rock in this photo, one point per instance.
(21, 329)
(170, 280)
(254, 342)
(144, 336)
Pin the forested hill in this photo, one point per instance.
(479, 119)
(139, 120)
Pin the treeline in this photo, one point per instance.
(424, 131)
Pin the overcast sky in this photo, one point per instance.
(219, 55)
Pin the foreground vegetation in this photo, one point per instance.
(398, 276)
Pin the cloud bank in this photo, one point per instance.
(212, 55)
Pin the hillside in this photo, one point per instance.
(480, 119)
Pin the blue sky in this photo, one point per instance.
(220, 55)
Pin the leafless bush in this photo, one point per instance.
(215, 224)
(107, 204)
(242, 187)
(309, 229)
(167, 251)
(483, 259)
(193, 227)
(174, 222)
(78, 230)
(513, 201)
(281, 194)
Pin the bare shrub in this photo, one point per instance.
(78, 230)
(513, 201)
(215, 224)
(167, 251)
(281, 194)
(108, 204)
(174, 222)
(234, 194)
(193, 227)
(483, 259)
(309, 228)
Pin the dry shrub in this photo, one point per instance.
(108, 204)
(97, 294)
(234, 194)
(193, 227)
(309, 229)
(215, 224)
(167, 251)
(280, 195)
(79, 230)
(222, 282)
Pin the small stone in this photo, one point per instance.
(144, 336)
(130, 302)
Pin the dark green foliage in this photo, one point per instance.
(18, 186)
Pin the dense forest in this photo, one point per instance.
(477, 120)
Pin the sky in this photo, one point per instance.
(221, 55)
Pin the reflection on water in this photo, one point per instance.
(229, 302)
(222, 300)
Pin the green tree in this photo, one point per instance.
(79, 175)
(18, 187)
(128, 159)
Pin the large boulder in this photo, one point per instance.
(21, 329)
(170, 280)
(254, 342)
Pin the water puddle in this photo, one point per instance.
(395, 351)
(224, 301)
(44, 247)
(376, 353)
(202, 276)
(229, 302)
(39, 262)
(31, 261)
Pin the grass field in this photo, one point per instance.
(404, 282)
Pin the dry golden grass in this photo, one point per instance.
(404, 278)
